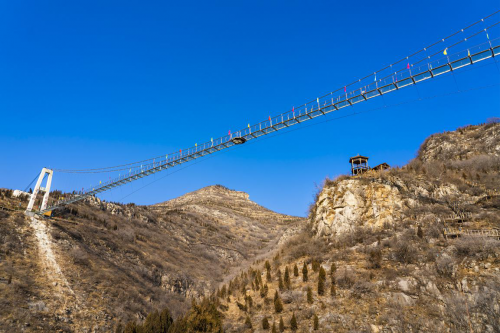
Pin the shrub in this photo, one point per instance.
(445, 266)
(361, 288)
(405, 252)
(304, 273)
(375, 258)
(295, 270)
(345, 279)
(282, 325)
(315, 322)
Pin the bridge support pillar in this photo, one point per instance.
(39, 188)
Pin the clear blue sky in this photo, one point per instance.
(99, 83)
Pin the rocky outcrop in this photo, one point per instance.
(464, 143)
(353, 202)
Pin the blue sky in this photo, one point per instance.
(100, 83)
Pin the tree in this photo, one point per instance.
(267, 265)
(282, 325)
(333, 269)
(321, 287)
(332, 290)
(152, 323)
(268, 276)
(287, 279)
(309, 295)
(273, 330)
(304, 272)
(322, 273)
(265, 323)
(321, 281)
(315, 322)
(264, 290)
(166, 321)
(248, 322)
(278, 305)
(295, 270)
(315, 265)
(280, 280)
(131, 327)
(293, 323)
(249, 302)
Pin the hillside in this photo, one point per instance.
(377, 244)
(386, 251)
(95, 263)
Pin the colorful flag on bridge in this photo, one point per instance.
(408, 66)
(445, 52)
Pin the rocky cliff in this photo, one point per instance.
(452, 170)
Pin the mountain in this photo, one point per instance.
(410, 249)
(97, 263)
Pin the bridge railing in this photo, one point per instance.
(333, 101)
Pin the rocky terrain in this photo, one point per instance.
(375, 253)
(96, 263)
(385, 251)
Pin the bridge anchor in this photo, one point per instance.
(38, 188)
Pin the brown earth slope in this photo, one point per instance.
(97, 263)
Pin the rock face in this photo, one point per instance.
(464, 143)
(373, 199)
(353, 202)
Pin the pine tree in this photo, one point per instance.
(166, 321)
(315, 265)
(267, 265)
(248, 322)
(304, 272)
(278, 306)
(293, 323)
(322, 273)
(263, 291)
(249, 302)
(333, 269)
(152, 323)
(295, 270)
(280, 280)
(268, 276)
(321, 287)
(265, 323)
(309, 295)
(332, 290)
(273, 330)
(315, 322)
(288, 284)
(282, 325)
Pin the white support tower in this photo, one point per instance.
(38, 188)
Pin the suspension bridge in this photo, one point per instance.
(465, 47)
